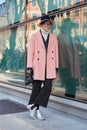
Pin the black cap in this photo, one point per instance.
(45, 18)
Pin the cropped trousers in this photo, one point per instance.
(40, 92)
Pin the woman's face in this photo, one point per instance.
(46, 26)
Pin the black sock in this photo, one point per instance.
(35, 105)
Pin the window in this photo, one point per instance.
(33, 15)
(76, 12)
(69, 2)
(34, 2)
(32, 26)
(2, 1)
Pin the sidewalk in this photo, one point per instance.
(55, 120)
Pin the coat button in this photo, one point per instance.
(52, 51)
(38, 59)
(52, 58)
(38, 51)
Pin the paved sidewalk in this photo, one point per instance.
(55, 120)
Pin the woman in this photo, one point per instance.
(42, 62)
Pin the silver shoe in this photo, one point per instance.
(29, 106)
(39, 116)
(33, 113)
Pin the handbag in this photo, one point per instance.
(29, 76)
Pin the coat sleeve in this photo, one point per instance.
(30, 52)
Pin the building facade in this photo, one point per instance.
(18, 21)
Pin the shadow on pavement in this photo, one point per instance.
(8, 107)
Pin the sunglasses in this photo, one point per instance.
(47, 24)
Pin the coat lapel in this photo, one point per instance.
(40, 39)
(50, 40)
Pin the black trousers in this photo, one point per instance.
(40, 94)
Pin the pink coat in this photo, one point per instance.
(39, 60)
